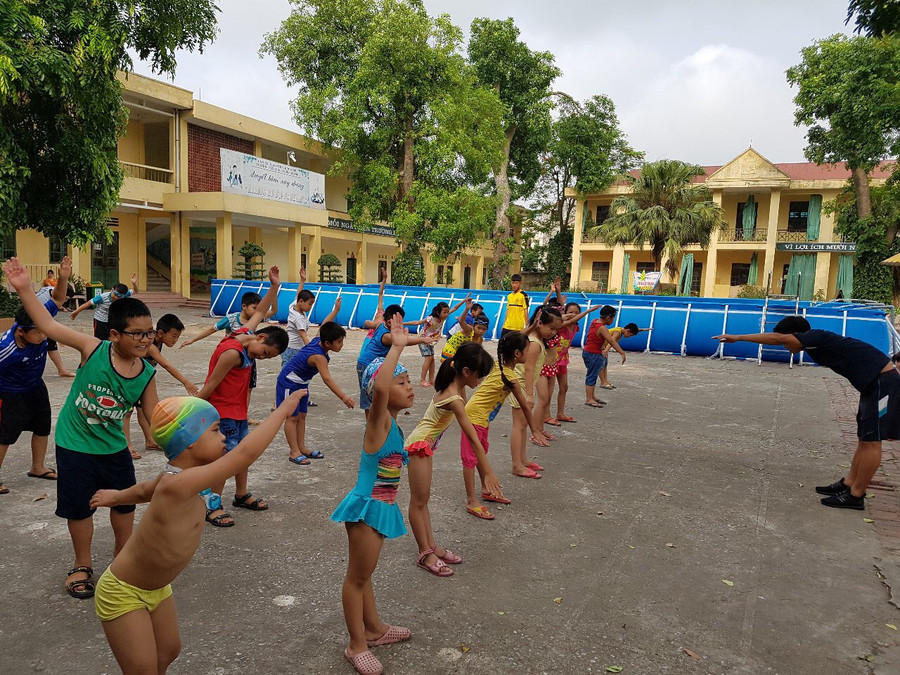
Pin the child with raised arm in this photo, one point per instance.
(370, 512)
(134, 595)
(310, 361)
(592, 353)
(298, 320)
(871, 372)
(469, 365)
(24, 400)
(616, 334)
(468, 332)
(101, 303)
(432, 325)
(379, 346)
(567, 332)
(373, 323)
(475, 311)
(91, 451)
(227, 387)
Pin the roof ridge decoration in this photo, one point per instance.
(748, 170)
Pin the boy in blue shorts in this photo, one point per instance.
(101, 303)
(91, 450)
(307, 363)
(24, 401)
(227, 387)
(379, 346)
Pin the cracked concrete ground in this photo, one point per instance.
(696, 474)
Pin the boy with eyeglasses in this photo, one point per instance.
(91, 450)
(101, 304)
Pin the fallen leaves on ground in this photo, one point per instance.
(727, 582)
(868, 520)
(670, 545)
(614, 669)
(557, 600)
(663, 493)
(39, 498)
(693, 655)
(463, 648)
(891, 626)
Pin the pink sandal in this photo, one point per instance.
(438, 568)
(393, 634)
(365, 662)
(450, 557)
(534, 466)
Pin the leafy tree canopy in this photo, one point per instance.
(387, 85)
(666, 210)
(875, 17)
(61, 111)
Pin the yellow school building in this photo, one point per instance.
(201, 180)
(788, 222)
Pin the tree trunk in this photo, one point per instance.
(895, 276)
(863, 196)
(500, 267)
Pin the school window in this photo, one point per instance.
(600, 274)
(58, 249)
(798, 212)
(645, 267)
(740, 273)
(8, 246)
(484, 276)
(739, 219)
(695, 279)
(440, 275)
(467, 277)
(602, 213)
(303, 260)
(382, 267)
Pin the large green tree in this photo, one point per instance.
(61, 110)
(521, 79)
(875, 17)
(388, 86)
(664, 209)
(849, 97)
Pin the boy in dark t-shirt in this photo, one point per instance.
(871, 372)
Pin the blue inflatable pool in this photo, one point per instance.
(678, 325)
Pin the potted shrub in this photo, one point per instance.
(329, 268)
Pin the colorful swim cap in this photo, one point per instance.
(179, 421)
(368, 378)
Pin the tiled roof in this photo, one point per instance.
(804, 171)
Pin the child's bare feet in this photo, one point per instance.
(423, 383)
(134, 453)
(65, 373)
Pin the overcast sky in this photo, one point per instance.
(695, 80)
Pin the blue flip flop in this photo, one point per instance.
(316, 454)
(301, 460)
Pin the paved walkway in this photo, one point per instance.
(698, 473)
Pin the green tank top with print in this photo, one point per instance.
(91, 418)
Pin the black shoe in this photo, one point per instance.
(833, 489)
(845, 500)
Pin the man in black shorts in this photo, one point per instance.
(24, 401)
(871, 372)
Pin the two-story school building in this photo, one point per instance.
(201, 180)
(784, 222)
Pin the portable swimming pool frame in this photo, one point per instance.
(678, 325)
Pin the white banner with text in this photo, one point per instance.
(245, 174)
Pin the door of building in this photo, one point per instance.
(105, 262)
(351, 270)
(467, 277)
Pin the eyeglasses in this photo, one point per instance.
(142, 335)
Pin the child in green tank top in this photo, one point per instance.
(91, 450)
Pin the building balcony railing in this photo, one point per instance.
(152, 173)
(757, 234)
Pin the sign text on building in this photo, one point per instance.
(343, 224)
(812, 246)
(644, 282)
(245, 174)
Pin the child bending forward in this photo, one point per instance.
(134, 596)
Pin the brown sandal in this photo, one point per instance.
(86, 589)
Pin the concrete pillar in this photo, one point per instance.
(295, 250)
(708, 290)
(175, 253)
(577, 230)
(184, 264)
(771, 239)
(224, 244)
(362, 259)
(142, 252)
(254, 236)
(478, 272)
(823, 270)
(314, 252)
(616, 269)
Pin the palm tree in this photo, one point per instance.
(666, 210)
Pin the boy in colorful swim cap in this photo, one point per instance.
(134, 596)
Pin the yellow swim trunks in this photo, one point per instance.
(114, 598)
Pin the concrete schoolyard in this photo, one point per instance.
(674, 531)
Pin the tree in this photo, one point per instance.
(387, 85)
(521, 78)
(586, 154)
(665, 209)
(875, 17)
(61, 109)
(329, 268)
(849, 96)
(247, 268)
